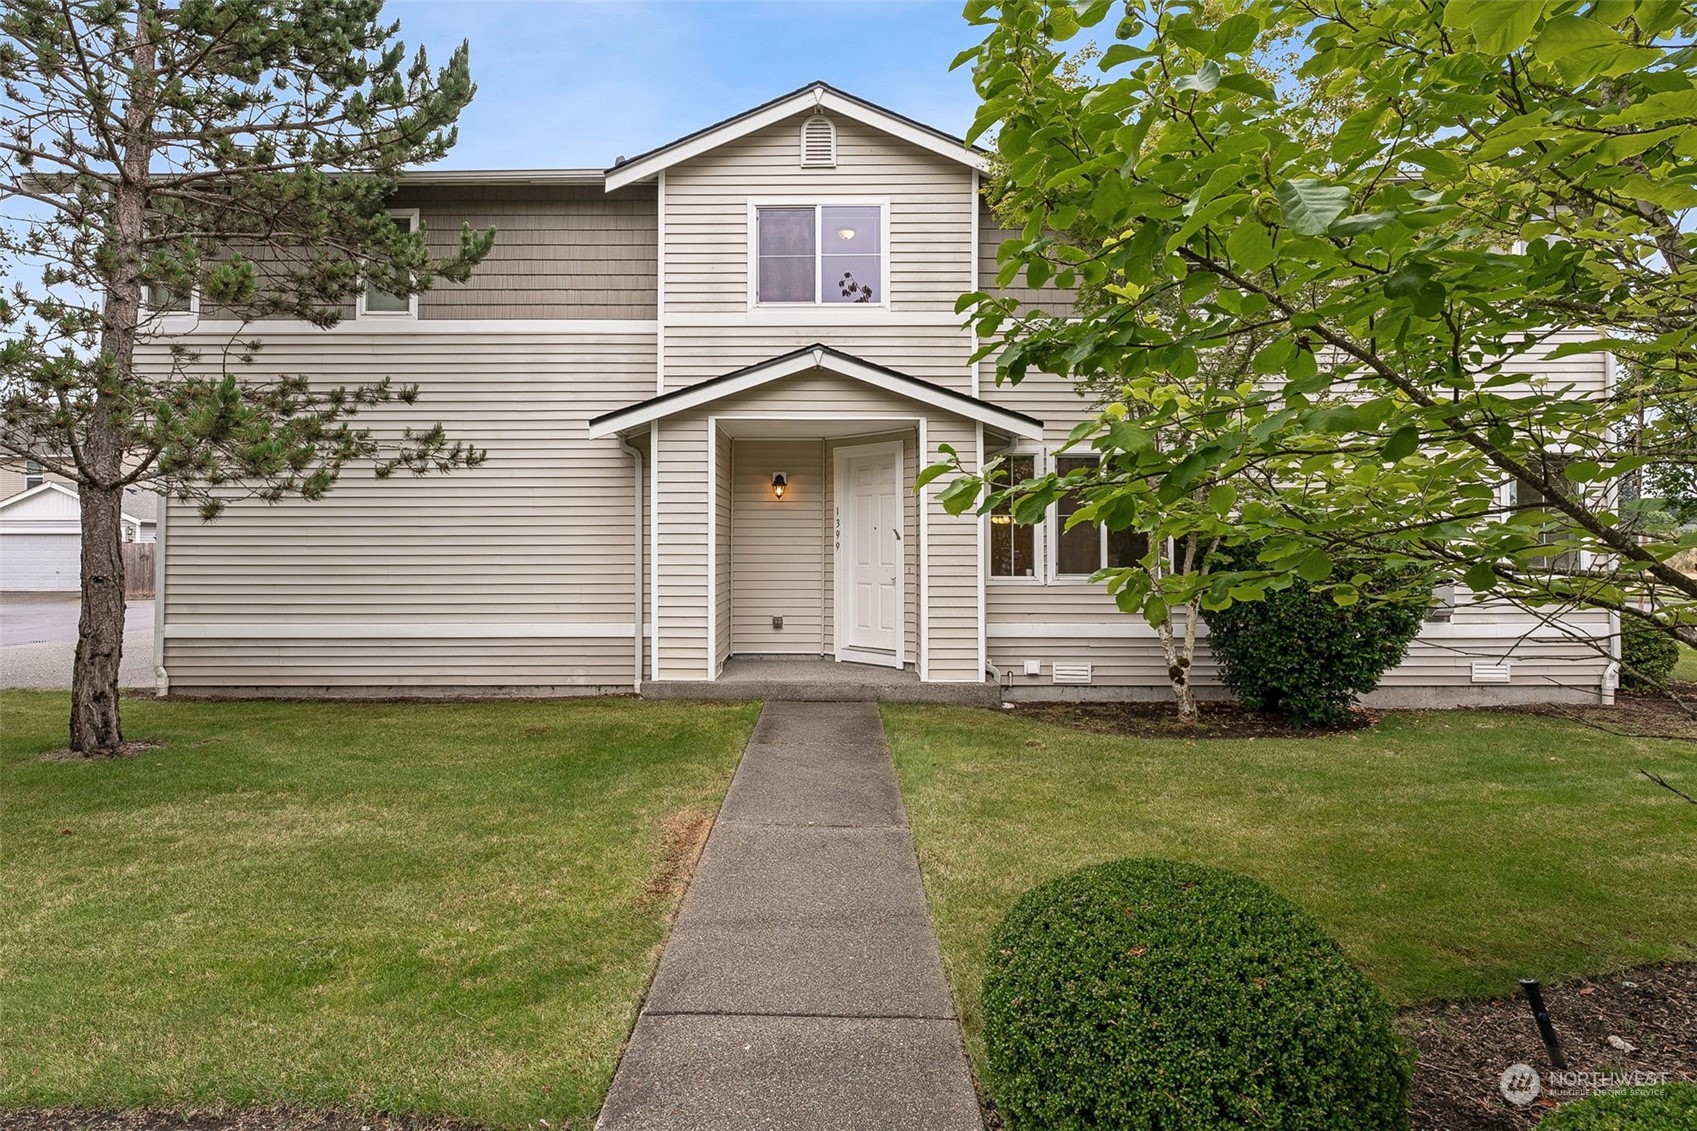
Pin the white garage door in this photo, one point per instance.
(33, 563)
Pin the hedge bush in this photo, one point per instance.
(1300, 654)
(1647, 657)
(1156, 994)
(1661, 1107)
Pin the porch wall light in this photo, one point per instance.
(780, 481)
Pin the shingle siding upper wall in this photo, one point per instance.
(560, 252)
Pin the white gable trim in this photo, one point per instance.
(14, 524)
(809, 98)
(803, 361)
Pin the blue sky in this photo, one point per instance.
(577, 83)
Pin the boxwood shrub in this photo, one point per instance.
(1647, 657)
(1156, 994)
(1661, 1107)
(1300, 654)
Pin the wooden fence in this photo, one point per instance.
(138, 568)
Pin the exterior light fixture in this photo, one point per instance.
(779, 482)
(845, 233)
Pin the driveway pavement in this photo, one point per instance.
(38, 640)
(802, 985)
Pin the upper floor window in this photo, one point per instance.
(32, 474)
(164, 300)
(379, 302)
(819, 253)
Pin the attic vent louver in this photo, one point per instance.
(818, 143)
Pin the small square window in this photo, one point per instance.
(164, 300)
(829, 253)
(32, 474)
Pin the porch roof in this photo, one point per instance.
(816, 356)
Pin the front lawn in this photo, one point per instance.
(432, 908)
(1450, 853)
(1686, 669)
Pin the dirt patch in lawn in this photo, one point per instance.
(1639, 714)
(127, 750)
(686, 832)
(277, 1118)
(1640, 1021)
(1219, 719)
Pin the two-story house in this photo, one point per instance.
(706, 379)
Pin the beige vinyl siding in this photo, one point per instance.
(780, 548)
(1056, 401)
(1049, 297)
(336, 594)
(560, 251)
(682, 498)
(938, 354)
(954, 569)
(930, 215)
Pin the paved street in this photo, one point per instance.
(38, 636)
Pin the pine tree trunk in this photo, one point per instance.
(100, 630)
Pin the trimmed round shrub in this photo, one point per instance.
(1156, 994)
(1647, 657)
(1300, 654)
(1660, 1107)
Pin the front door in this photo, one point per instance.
(868, 545)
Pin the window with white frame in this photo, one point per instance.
(381, 303)
(1013, 547)
(819, 253)
(163, 300)
(32, 474)
(1523, 496)
(1088, 547)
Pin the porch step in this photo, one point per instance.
(815, 680)
(985, 694)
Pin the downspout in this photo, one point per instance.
(636, 559)
(161, 679)
(1004, 679)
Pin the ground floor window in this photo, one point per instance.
(1048, 551)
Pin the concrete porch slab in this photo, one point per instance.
(810, 679)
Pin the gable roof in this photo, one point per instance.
(818, 95)
(49, 488)
(815, 356)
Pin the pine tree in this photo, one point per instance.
(242, 150)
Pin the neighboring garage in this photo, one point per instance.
(41, 539)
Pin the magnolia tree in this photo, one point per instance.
(241, 150)
(1505, 185)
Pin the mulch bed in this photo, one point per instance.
(1638, 714)
(1465, 1047)
(1219, 719)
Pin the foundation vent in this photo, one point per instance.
(1070, 673)
(1490, 673)
(818, 143)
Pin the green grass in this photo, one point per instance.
(432, 908)
(1450, 853)
(1687, 666)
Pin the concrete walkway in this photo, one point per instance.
(801, 986)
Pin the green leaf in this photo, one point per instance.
(1222, 498)
(1498, 26)
(958, 497)
(1315, 566)
(1250, 245)
(1237, 34)
(1403, 442)
(1310, 206)
(931, 473)
(1206, 78)
(1480, 577)
(1569, 35)
(1362, 222)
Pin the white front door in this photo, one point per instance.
(868, 545)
